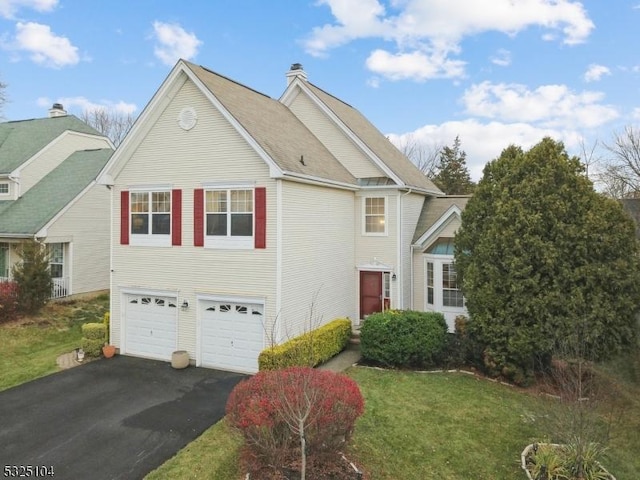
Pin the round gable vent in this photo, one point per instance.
(187, 118)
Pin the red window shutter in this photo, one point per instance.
(124, 217)
(198, 217)
(176, 217)
(260, 234)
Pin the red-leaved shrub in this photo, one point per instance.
(278, 410)
(8, 301)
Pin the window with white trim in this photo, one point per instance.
(4, 188)
(229, 217)
(56, 259)
(4, 260)
(430, 283)
(150, 217)
(375, 221)
(451, 292)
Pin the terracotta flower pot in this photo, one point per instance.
(108, 351)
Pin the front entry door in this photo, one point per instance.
(370, 293)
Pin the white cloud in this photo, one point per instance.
(82, 104)
(43, 46)
(484, 142)
(502, 58)
(8, 8)
(415, 65)
(549, 106)
(636, 114)
(596, 72)
(426, 29)
(174, 43)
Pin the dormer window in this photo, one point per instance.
(4, 188)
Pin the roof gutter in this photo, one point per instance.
(313, 180)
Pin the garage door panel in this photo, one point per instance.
(151, 322)
(231, 335)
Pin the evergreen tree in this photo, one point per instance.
(452, 175)
(33, 277)
(540, 253)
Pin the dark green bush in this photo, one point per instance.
(404, 338)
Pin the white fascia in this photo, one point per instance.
(438, 225)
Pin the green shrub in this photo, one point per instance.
(94, 331)
(92, 347)
(106, 320)
(310, 349)
(404, 338)
(94, 336)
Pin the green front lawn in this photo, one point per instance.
(427, 426)
(29, 347)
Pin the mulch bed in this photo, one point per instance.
(334, 467)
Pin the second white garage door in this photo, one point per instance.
(231, 335)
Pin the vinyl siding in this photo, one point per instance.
(85, 225)
(383, 249)
(210, 152)
(333, 138)
(54, 154)
(411, 208)
(318, 257)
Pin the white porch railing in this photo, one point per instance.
(59, 286)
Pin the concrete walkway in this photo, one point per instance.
(345, 359)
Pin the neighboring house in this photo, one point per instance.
(240, 220)
(48, 192)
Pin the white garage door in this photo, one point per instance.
(151, 323)
(231, 335)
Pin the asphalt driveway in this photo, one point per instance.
(109, 419)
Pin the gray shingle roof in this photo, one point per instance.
(434, 208)
(20, 140)
(275, 128)
(376, 141)
(44, 200)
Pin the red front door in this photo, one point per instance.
(370, 293)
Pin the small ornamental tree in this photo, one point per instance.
(8, 301)
(32, 276)
(539, 250)
(294, 416)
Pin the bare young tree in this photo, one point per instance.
(425, 156)
(112, 124)
(623, 171)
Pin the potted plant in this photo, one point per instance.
(108, 350)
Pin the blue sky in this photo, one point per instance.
(494, 72)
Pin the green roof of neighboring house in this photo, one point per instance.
(27, 215)
(21, 140)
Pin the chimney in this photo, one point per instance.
(296, 70)
(57, 110)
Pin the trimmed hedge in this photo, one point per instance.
(404, 338)
(93, 338)
(310, 349)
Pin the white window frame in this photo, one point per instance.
(5, 189)
(437, 284)
(149, 238)
(56, 261)
(365, 215)
(230, 241)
